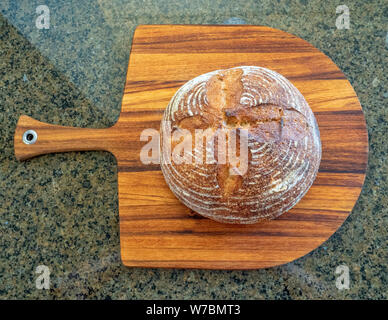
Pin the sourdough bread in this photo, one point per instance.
(283, 145)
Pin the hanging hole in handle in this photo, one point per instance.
(30, 137)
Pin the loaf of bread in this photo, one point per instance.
(283, 145)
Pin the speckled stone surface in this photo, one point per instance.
(61, 210)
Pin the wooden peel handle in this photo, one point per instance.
(33, 138)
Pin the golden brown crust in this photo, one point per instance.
(284, 149)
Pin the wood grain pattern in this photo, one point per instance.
(156, 230)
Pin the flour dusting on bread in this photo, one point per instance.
(284, 148)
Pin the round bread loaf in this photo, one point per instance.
(283, 145)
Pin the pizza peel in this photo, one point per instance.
(156, 230)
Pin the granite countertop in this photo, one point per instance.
(61, 210)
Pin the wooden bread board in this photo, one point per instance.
(156, 230)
